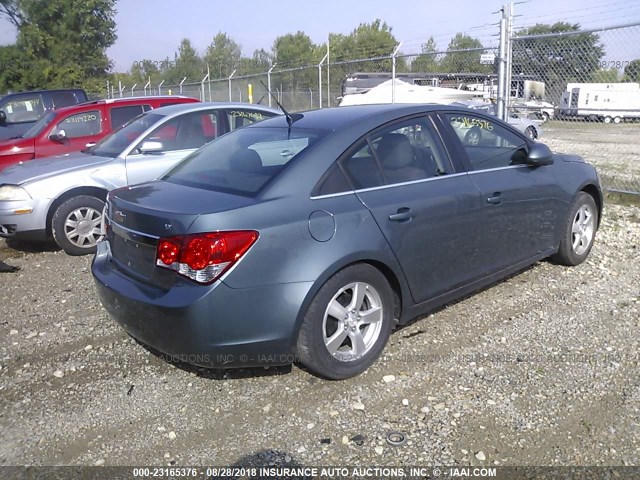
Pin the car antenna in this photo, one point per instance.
(290, 118)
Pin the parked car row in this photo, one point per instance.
(18, 111)
(307, 236)
(78, 127)
(64, 196)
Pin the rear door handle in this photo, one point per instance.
(496, 199)
(404, 214)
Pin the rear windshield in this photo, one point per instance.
(114, 144)
(244, 160)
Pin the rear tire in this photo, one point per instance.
(579, 231)
(607, 119)
(76, 225)
(617, 120)
(347, 324)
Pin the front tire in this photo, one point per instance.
(76, 224)
(347, 324)
(579, 231)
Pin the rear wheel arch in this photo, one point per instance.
(400, 291)
(97, 192)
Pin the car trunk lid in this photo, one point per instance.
(138, 216)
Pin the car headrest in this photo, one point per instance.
(246, 160)
(395, 151)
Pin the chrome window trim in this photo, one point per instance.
(508, 167)
(423, 180)
(381, 187)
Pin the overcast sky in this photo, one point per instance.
(153, 28)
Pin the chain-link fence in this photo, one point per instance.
(590, 83)
(576, 91)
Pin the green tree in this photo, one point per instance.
(557, 59)
(11, 66)
(293, 50)
(222, 56)
(187, 63)
(11, 10)
(427, 61)
(632, 71)
(457, 60)
(64, 41)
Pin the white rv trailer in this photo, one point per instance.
(611, 102)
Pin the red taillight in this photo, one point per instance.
(168, 250)
(203, 257)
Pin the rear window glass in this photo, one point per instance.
(244, 160)
(122, 115)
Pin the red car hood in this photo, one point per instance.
(17, 145)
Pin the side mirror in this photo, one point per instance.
(59, 137)
(150, 147)
(3, 117)
(539, 154)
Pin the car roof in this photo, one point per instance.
(53, 90)
(339, 117)
(193, 107)
(120, 101)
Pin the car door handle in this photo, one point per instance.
(496, 199)
(404, 214)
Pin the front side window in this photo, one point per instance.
(404, 152)
(25, 108)
(487, 143)
(80, 125)
(114, 144)
(243, 161)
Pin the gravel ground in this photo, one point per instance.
(612, 148)
(541, 369)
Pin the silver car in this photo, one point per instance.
(531, 128)
(64, 196)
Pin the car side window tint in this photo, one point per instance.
(362, 167)
(25, 108)
(63, 99)
(404, 152)
(80, 125)
(185, 132)
(333, 181)
(122, 115)
(487, 143)
(241, 117)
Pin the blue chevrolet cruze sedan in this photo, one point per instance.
(310, 237)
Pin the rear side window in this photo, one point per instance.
(122, 115)
(243, 161)
(83, 124)
(25, 108)
(63, 99)
(242, 117)
(403, 152)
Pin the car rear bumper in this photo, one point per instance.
(211, 325)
